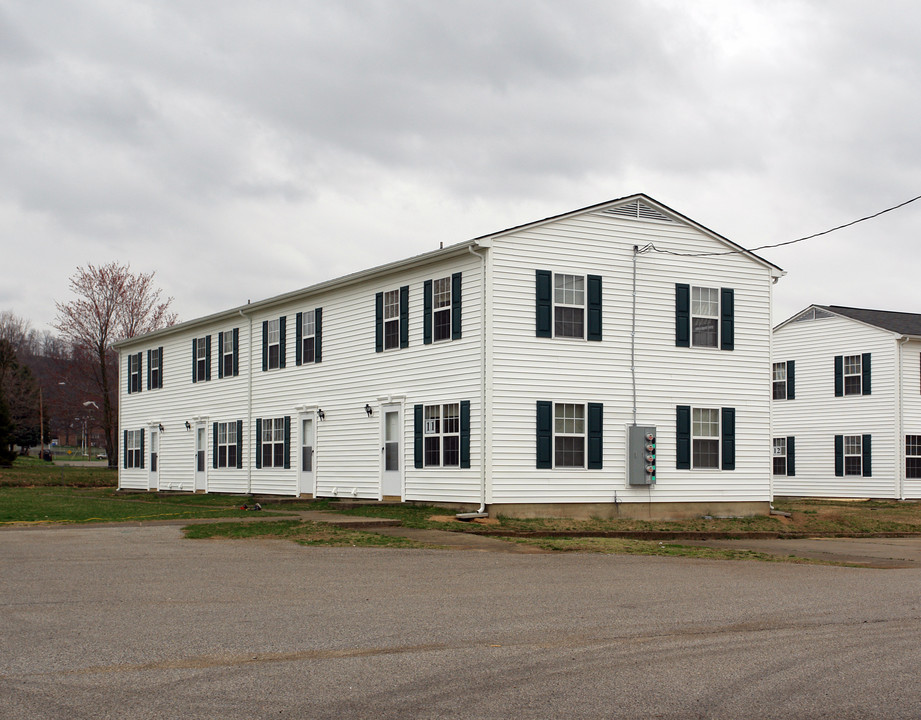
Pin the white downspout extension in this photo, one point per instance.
(900, 440)
(482, 508)
(249, 402)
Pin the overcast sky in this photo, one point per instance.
(243, 149)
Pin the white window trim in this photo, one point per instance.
(846, 455)
(716, 317)
(718, 437)
(776, 454)
(276, 322)
(916, 454)
(583, 435)
(226, 428)
(133, 448)
(442, 309)
(782, 366)
(201, 358)
(858, 374)
(441, 434)
(308, 317)
(583, 307)
(277, 428)
(134, 373)
(228, 340)
(394, 318)
(156, 361)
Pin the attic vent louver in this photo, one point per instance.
(638, 210)
(812, 314)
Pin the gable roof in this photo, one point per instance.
(899, 322)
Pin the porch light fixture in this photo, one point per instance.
(188, 425)
(160, 426)
(321, 414)
(368, 409)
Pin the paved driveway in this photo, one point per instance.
(134, 622)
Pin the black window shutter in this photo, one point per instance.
(194, 360)
(208, 358)
(839, 455)
(258, 443)
(125, 449)
(298, 338)
(318, 335)
(142, 447)
(729, 438)
(791, 456)
(417, 436)
(148, 369)
(287, 442)
(236, 351)
(683, 437)
(265, 345)
(128, 372)
(160, 359)
(214, 445)
(544, 434)
(727, 319)
(682, 315)
(867, 471)
(379, 322)
(220, 355)
(404, 316)
(281, 341)
(595, 436)
(427, 312)
(791, 380)
(865, 368)
(544, 298)
(594, 307)
(239, 444)
(465, 434)
(456, 306)
(839, 375)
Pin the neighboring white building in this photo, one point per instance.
(494, 373)
(847, 403)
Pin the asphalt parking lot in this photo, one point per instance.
(136, 622)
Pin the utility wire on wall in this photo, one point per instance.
(651, 247)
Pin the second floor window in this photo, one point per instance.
(308, 337)
(134, 373)
(852, 375)
(274, 344)
(391, 319)
(780, 381)
(569, 306)
(227, 354)
(441, 309)
(705, 315)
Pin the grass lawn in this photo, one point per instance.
(305, 533)
(31, 472)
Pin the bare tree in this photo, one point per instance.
(112, 304)
(16, 331)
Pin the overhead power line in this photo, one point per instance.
(650, 246)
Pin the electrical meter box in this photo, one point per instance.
(641, 455)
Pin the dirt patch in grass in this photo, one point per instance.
(302, 532)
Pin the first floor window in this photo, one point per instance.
(442, 435)
(133, 448)
(227, 445)
(780, 456)
(705, 438)
(273, 442)
(913, 456)
(568, 435)
(853, 455)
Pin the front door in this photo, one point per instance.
(308, 460)
(391, 452)
(154, 477)
(201, 444)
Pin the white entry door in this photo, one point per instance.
(154, 478)
(201, 452)
(391, 451)
(307, 468)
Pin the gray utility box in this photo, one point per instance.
(641, 455)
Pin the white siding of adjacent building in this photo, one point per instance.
(351, 375)
(815, 416)
(911, 409)
(526, 369)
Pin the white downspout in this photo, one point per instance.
(900, 440)
(249, 403)
(482, 508)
